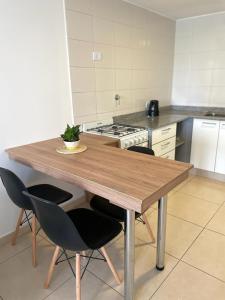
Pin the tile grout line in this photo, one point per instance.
(180, 260)
(202, 271)
(187, 194)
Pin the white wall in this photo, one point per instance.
(137, 49)
(35, 100)
(199, 64)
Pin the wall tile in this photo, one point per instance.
(122, 58)
(200, 95)
(218, 96)
(122, 35)
(79, 5)
(123, 79)
(79, 26)
(80, 54)
(202, 40)
(200, 78)
(103, 31)
(218, 77)
(82, 79)
(104, 8)
(137, 57)
(105, 102)
(105, 79)
(219, 59)
(84, 104)
(202, 60)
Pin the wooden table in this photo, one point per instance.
(128, 179)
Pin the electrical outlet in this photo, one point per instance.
(96, 56)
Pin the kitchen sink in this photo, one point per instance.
(214, 114)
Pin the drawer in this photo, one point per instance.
(169, 155)
(163, 133)
(164, 147)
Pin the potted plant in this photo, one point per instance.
(71, 136)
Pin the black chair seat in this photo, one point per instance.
(50, 193)
(95, 230)
(104, 207)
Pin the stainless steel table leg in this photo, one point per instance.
(129, 255)
(161, 234)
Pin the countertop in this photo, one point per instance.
(166, 117)
(128, 179)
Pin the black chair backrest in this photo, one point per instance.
(56, 224)
(14, 187)
(140, 149)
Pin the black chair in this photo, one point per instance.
(77, 230)
(104, 207)
(14, 187)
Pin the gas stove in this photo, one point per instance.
(127, 135)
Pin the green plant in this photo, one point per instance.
(71, 134)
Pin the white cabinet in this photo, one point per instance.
(164, 141)
(204, 144)
(220, 157)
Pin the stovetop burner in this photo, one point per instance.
(115, 130)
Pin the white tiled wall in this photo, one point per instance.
(137, 57)
(199, 64)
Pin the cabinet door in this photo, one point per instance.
(220, 157)
(204, 144)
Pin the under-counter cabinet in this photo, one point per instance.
(220, 156)
(164, 141)
(204, 144)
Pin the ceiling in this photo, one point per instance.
(178, 9)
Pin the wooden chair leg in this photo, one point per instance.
(148, 228)
(19, 221)
(78, 287)
(34, 241)
(112, 268)
(51, 267)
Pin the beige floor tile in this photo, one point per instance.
(20, 281)
(23, 242)
(205, 189)
(191, 208)
(173, 191)
(190, 177)
(207, 254)
(147, 277)
(91, 289)
(218, 221)
(188, 283)
(179, 234)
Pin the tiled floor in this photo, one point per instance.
(195, 260)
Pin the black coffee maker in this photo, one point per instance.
(153, 109)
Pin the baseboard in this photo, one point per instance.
(208, 174)
(79, 202)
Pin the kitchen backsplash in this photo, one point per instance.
(136, 49)
(199, 64)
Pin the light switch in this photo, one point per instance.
(96, 56)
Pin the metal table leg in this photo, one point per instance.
(129, 253)
(161, 234)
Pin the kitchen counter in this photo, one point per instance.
(167, 116)
(129, 179)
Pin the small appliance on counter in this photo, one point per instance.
(153, 108)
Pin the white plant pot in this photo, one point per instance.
(71, 145)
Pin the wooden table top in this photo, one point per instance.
(129, 179)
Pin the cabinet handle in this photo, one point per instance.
(209, 123)
(164, 145)
(167, 129)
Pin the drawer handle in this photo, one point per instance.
(167, 129)
(164, 145)
(208, 123)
